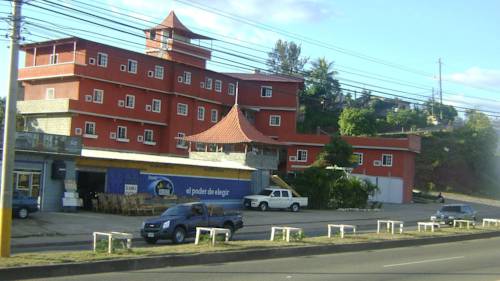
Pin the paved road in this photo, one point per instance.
(475, 260)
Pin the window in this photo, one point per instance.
(148, 136)
(50, 93)
(301, 155)
(186, 77)
(156, 105)
(208, 83)
(231, 89)
(387, 160)
(152, 35)
(218, 86)
(27, 183)
(200, 146)
(275, 120)
(129, 101)
(53, 58)
(123, 67)
(132, 66)
(98, 96)
(164, 38)
(180, 142)
(358, 158)
(182, 109)
(158, 72)
(284, 193)
(201, 113)
(266, 92)
(102, 59)
(214, 115)
(90, 128)
(276, 193)
(121, 133)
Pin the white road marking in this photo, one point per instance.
(424, 261)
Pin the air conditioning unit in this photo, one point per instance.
(121, 103)
(179, 79)
(293, 158)
(140, 138)
(88, 98)
(112, 135)
(202, 85)
(148, 107)
(91, 61)
(150, 73)
(377, 163)
(123, 67)
(78, 131)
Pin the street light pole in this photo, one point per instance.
(9, 136)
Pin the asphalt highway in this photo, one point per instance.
(474, 260)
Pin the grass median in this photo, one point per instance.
(28, 259)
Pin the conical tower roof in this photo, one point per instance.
(233, 128)
(173, 22)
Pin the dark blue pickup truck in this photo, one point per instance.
(179, 222)
(23, 205)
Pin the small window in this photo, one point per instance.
(50, 93)
(132, 66)
(214, 115)
(276, 193)
(180, 142)
(90, 128)
(129, 101)
(91, 61)
(266, 91)
(182, 109)
(218, 86)
(152, 35)
(53, 58)
(98, 96)
(148, 135)
(284, 193)
(387, 160)
(208, 83)
(121, 133)
(186, 77)
(159, 72)
(150, 73)
(200, 146)
(302, 155)
(358, 158)
(275, 120)
(102, 59)
(231, 89)
(201, 113)
(123, 67)
(156, 105)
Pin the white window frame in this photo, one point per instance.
(214, 115)
(146, 140)
(208, 83)
(266, 91)
(231, 89)
(159, 72)
(129, 98)
(199, 115)
(50, 93)
(98, 93)
(218, 86)
(156, 105)
(92, 133)
(132, 66)
(102, 59)
(186, 77)
(181, 143)
(301, 152)
(182, 109)
(384, 162)
(53, 58)
(359, 158)
(118, 137)
(274, 117)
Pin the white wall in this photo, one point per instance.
(390, 188)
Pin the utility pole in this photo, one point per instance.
(440, 83)
(9, 136)
(432, 104)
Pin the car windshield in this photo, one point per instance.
(455, 209)
(176, 211)
(266, 192)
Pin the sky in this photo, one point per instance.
(389, 46)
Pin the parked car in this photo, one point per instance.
(179, 222)
(23, 205)
(447, 213)
(275, 198)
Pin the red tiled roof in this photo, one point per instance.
(173, 22)
(233, 128)
(265, 77)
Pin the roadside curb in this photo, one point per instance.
(31, 272)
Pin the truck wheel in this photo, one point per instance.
(151, 240)
(22, 213)
(229, 227)
(295, 207)
(263, 206)
(179, 235)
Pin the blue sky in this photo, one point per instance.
(409, 34)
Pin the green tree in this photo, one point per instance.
(358, 121)
(445, 114)
(337, 152)
(285, 58)
(406, 119)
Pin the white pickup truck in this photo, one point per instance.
(275, 198)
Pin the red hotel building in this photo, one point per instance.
(121, 100)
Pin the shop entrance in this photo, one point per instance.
(89, 184)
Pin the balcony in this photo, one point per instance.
(258, 161)
(48, 70)
(47, 143)
(43, 106)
